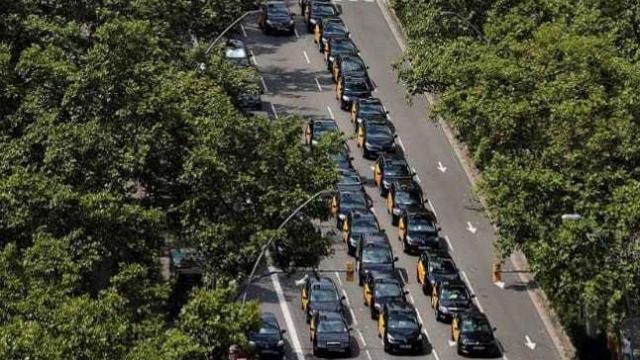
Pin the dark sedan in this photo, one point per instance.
(381, 289)
(275, 16)
(399, 328)
(330, 333)
(320, 294)
(268, 342)
(374, 254)
(350, 88)
(367, 109)
(389, 167)
(356, 223)
(339, 46)
(349, 180)
(315, 11)
(450, 297)
(316, 128)
(348, 65)
(345, 201)
(434, 266)
(473, 335)
(404, 195)
(418, 231)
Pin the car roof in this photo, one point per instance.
(390, 157)
(323, 120)
(387, 279)
(332, 19)
(451, 283)
(423, 213)
(375, 239)
(362, 214)
(406, 184)
(370, 100)
(398, 306)
(322, 282)
(330, 315)
(353, 79)
(269, 317)
(348, 193)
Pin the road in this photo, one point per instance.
(297, 82)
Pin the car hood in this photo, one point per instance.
(423, 238)
(342, 338)
(388, 299)
(380, 139)
(280, 19)
(357, 93)
(325, 306)
(404, 334)
(479, 337)
(377, 267)
(456, 304)
(435, 277)
(265, 338)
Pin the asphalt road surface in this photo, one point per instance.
(297, 82)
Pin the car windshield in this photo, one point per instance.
(469, 325)
(323, 295)
(343, 47)
(396, 170)
(349, 179)
(324, 10)
(334, 30)
(363, 226)
(268, 328)
(331, 326)
(376, 255)
(379, 131)
(353, 65)
(454, 294)
(445, 266)
(388, 290)
(407, 198)
(373, 116)
(422, 225)
(354, 200)
(359, 85)
(372, 108)
(278, 9)
(402, 321)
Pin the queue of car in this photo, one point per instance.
(383, 290)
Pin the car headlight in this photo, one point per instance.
(352, 241)
(377, 306)
(269, 22)
(443, 309)
(331, 58)
(419, 336)
(313, 21)
(280, 343)
(391, 339)
(359, 120)
(395, 211)
(291, 22)
(342, 216)
(252, 344)
(367, 144)
(345, 98)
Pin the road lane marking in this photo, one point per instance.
(244, 32)
(353, 315)
(441, 167)
(264, 84)
(366, 351)
(288, 319)
(446, 238)
(318, 83)
(339, 280)
(471, 228)
(364, 343)
(530, 344)
(295, 31)
(253, 57)
(433, 208)
(330, 112)
(402, 145)
(306, 57)
(273, 109)
(418, 179)
(406, 281)
(411, 298)
(466, 278)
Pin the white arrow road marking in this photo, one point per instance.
(441, 167)
(288, 319)
(530, 344)
(471, 228)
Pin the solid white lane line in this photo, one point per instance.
(318, 83)
(466, 278)
(353, 315)
(330, 112)
(338, 277)
(253, 57)
(264, 84)
(295, 31)
(306, 57)
(244, 32)
(273, 109)
(433, 208)
(446, 238)
(288, 319)
(401, 145)
(411, 298)
(364, 342)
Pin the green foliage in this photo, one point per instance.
(544, 95)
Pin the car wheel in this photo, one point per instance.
(387, 347)
(343, 105)
(365, 153)
(405, 248)
(394, 220)
(360, 281)
(350, 249)
(436, 313)
(374, 316)
(292, 31)
(315, 349)
(425, 290)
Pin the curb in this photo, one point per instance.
(539, 299)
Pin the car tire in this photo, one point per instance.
(373, 313)
(350, 249)
(360, 281)
(343, 105)
(387, 347)
(436, 313)
(425, 289)
(405, 248)
(292, 31)
(394, 220)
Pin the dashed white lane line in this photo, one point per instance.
(253, 57)
(288, 319)
(364, 342)
(368, 354)
(446, 238)
(273, 109)
(306, 57)
(244, 32)
(318, 83)
(401, 145)
(330, 112)
(338, 277)
(433, 351)
(466, 278)
(433, 208)
(353, 315)
(295, 31)
(264, 84)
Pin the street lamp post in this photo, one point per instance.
(266, 246)
(234, 23)
(473, 27)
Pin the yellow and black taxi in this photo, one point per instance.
(329, 28)
(344, 201)
(376, 137)
(316, 10)
(339, 46)
(349, 180)
(450, 297)
(350, 88)
(348, 65)
(435, 265)
(342, 159)
(399, 328)
(418, 231)
(275, 16)
(320, 293)
(374, 254)
(404, 195)
(387, 168)
(367, 108)
(316, 128)
(381, 288)
(356, 223)
(329, 334)
(267, 342)
(473, 334)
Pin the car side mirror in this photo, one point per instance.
(473, 296)
(406, 292)
(395, 259)
(439, 228)
(293, 15)
(339, 8)
(368, 67)
(386, 112)
(343, 297)
(395, 136)
(351, 158)
(494, 328)
(283, 331)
